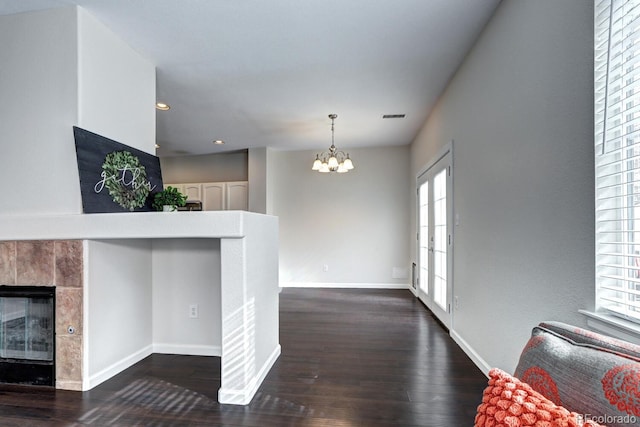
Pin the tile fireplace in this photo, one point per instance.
(39, 278)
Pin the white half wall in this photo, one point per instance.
(520, 113)
(38, 89)
(118, 307)
(353, 225)
(250, 317)
(186, 273)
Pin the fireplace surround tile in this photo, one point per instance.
(7, 263)
(69, 362)
(68, 310)
(35, 263)
(68, 255)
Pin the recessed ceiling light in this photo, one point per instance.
(218, 142)
(162, 106)
(393, 116)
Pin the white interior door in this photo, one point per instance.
(435, 239)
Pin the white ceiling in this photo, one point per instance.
(260, 73)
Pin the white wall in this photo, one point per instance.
(355, 223)
(118, 307)
(116, 98)
(520, 112)
(205, 168)
(258, 179)
(186, 272)
(38, 75)
(117, 87)
(62, 68)
(271, 175)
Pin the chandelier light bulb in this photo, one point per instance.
(333, 162)
(317, 164)
(348, 164)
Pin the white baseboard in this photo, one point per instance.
(345, 285)
(243, 397)
(473, 355)
(187, 349)
(110, 371)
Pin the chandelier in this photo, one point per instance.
(332, 160)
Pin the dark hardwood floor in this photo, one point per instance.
(350, 358)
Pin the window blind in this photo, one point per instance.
(617, 156)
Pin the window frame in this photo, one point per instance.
(617, 161)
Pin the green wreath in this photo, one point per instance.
(128, 183)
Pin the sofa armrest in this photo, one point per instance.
(583, 371)
(585, 336)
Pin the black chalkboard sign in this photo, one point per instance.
(113, 176)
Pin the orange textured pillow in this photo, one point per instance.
(509, 402)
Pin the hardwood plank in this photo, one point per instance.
(351, 358)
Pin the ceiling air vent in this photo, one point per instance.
(393, 116)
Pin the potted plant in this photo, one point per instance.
(169, 199)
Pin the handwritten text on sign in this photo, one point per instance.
(122, 179)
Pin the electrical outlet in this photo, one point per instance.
(325, 268)
(456, 302)
(193, 311)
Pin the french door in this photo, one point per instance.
(435, 239)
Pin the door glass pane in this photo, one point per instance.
(440, 239)
(424, 237)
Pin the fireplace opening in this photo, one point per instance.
(27, 339)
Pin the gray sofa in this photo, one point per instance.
(595, 376)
